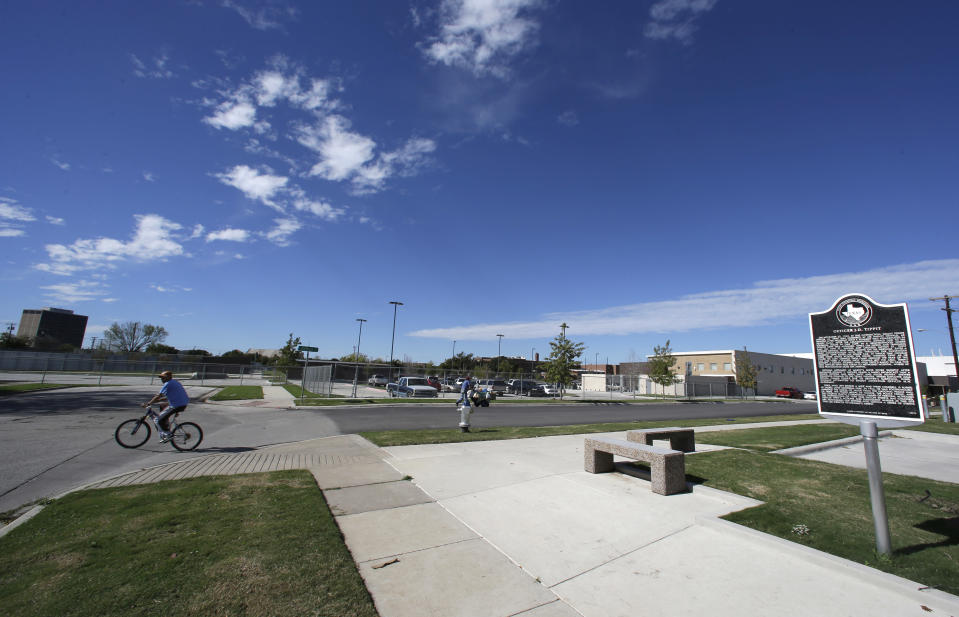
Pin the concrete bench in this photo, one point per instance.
(667, 467)
(682, 439)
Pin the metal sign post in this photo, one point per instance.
(866, 375)
(307, 349)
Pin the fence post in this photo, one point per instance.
(46, 363)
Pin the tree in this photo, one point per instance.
(161, 349)
(745, 372)
(133, 336)
(362, 358)
(561, 361)
(661, 366)
(289, 353)
(8, 340)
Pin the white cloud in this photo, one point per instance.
(255, 185)
(232, 115)
(173, 289)
(55, 220)
(320, 209)
(198, 230)
(70, 293)
(233, 235)
(11, 210)
(483, 35)
(153, 239)
(676, 19)
(280, 235)
(11, 232)
(60, 164)
(767, 302)
(342, 152)
(149, 177)
(265, 15)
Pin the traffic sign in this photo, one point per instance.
(307, 348)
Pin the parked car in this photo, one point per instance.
(434, 381)
(493, 385)
(809, 395)
(410, 387)
(378, 380)
(551, 389)
(789, 392)
(449, 385)
(537, 390)
(520, 386)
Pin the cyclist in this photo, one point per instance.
(177, 400)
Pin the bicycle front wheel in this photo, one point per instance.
(132, 433)
(187, 436)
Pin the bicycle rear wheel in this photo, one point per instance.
(132, 433)
(187, 436)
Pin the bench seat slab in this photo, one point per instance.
(667, 467)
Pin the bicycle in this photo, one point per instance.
(135, 432)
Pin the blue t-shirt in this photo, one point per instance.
(175, 393)
(465, 385)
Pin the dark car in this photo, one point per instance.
(538, 390)
(521, 386)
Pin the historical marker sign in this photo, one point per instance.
(864, 362)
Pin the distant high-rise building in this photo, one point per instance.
(48, 327)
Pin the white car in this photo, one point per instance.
(377, 380)
(550, 389)
(809, 395)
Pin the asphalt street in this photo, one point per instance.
(53, 441)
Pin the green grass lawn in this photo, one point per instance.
(238, 393)
(259, 544)
(453, 434)
(833, 502)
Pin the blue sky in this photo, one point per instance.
(705, 171)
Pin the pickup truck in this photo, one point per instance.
(410, 387)
(788, 392)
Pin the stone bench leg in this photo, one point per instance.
(668, 474)
(597, 461)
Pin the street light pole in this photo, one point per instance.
(356, 357)
(393, 340)
(499, 354)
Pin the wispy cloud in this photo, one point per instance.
(12, 217)
(676, 19)
(55, 220)
(263, 14)
(60, 164)
(280, 234)
(79, 291)
(156, 69)
(765, 303)
(568, 117)
(153, 239)
(169, 289)
(483, 36)
(230, 234)
(149, 176)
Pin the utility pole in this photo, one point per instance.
(952, 335)
(356, 356)
(395, 304)
(563, 326)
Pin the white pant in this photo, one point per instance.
(465, 411)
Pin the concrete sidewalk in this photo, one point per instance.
(517, 527)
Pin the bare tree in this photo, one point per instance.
(133, 335)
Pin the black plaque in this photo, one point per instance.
(863, 354)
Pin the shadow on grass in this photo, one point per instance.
(947, 527)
